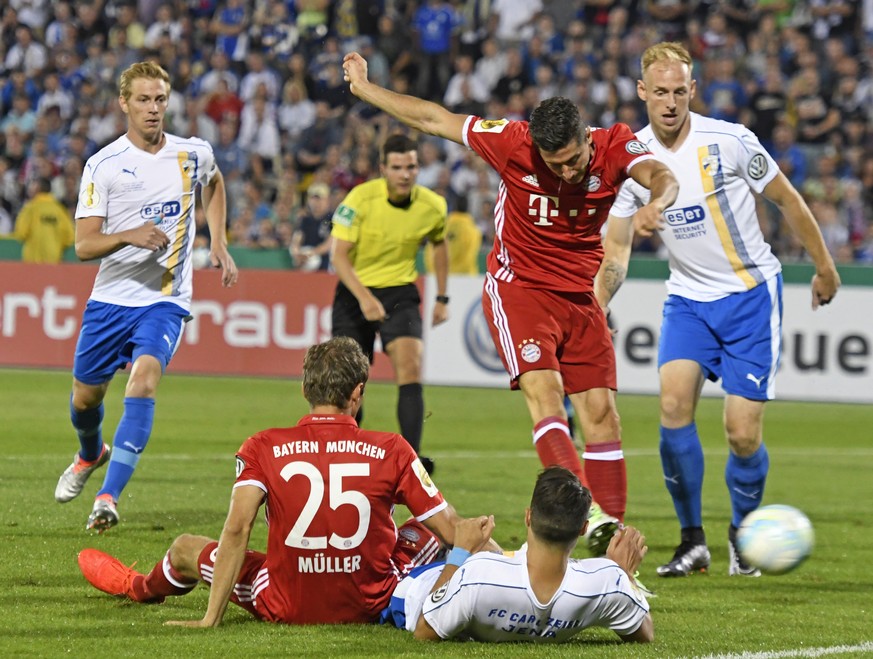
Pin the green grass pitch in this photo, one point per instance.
(820, 455)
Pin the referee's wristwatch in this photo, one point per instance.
(442, 299)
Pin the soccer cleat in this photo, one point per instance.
(104, 515)
(601, 528)
(75, 476)
(689, 557)
(642, 588)
(110, 575)
(737, 566)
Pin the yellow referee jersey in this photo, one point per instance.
(387, 238)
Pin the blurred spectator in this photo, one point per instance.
(297, 112)
(44, 226)
(314, 142)
(515, 19)
(223, 104)
(165, 26)
(669, 17)
(788, 155)
(435, 24)
(228, 27)
(466, 91)
(62, 21)
(20, 118)
(259, 76)
(724, 95)
(259, 136)
(514, 78)
(26, 53)
(311, 240)
(393, 42)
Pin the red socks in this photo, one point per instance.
(163, 580)
(605, 469)
(552, 440)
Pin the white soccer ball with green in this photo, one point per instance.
(775, 539)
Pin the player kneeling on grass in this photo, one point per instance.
(333, 552)
(538, 594)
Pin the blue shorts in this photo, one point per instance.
(737, 338)
(113, 336)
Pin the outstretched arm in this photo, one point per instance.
(416, 113)
(826, 280)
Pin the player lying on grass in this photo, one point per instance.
(538, 594)
(330, 489)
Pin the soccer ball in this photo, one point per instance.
(775, 539)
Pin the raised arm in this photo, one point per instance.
(826, 280)
(416, 113)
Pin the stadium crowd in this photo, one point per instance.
(262, 81)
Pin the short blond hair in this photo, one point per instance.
(147, 70)
(670, 51)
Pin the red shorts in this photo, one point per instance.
(534, 329)
(416, 546)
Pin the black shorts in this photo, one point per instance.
(402, 306)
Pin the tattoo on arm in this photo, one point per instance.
(612, 277)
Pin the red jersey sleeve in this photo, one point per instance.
(496, 139)
(623, 151)
(415, 489)
(248, 468)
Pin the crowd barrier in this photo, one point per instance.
(262, 327)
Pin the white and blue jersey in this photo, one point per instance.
(127, 187)
(490, 599)
(712, 234)
(724, 308)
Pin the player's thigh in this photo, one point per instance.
(157, 333)
(587, 356)
(106, 330)
(685, 334)
(405, 354)
(523, 327)
(681, 383)
(402, 313)
(244, 591)
(347, 320)
(749, 326)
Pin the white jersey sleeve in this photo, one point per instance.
(129, 187)
(712, 233)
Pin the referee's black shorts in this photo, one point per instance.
(402, 307)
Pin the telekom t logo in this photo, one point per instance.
(538, 206)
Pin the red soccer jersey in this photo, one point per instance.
(331, 488)
(547, 231)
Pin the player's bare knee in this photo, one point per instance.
(185, 551)
(675, 411)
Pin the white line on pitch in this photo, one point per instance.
(867, 646)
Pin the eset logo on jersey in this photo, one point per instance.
(680, 216)
(160, 211)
